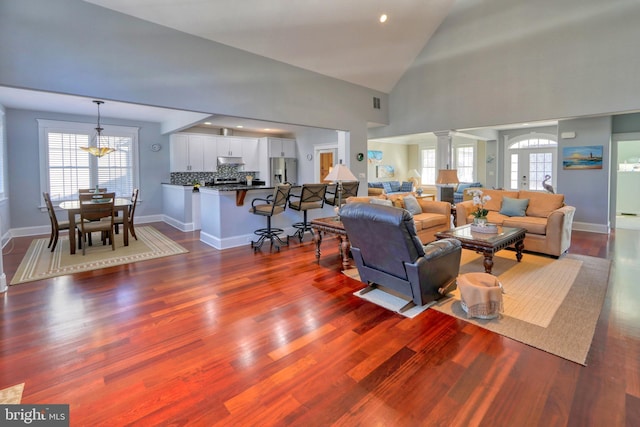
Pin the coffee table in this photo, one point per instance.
(334, 226)
(487, 243)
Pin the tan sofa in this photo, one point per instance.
(435, 216)
(547, 219)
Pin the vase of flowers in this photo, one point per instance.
(480, 213)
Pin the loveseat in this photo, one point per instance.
(545, 217)
(429, 216)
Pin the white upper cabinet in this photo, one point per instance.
(282, 147)
(251, 154)
(229, 146)
(192, 153)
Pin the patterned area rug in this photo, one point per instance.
(40, 263)
(11, 395)
(549, 304)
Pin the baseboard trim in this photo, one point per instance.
(590, 227)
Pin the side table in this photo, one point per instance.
(334, 226)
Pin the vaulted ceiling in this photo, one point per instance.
(339, 38)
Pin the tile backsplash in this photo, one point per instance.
(224, 171)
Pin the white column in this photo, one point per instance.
(443, 156)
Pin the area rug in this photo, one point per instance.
(550, 304)
(40, 263)
(11, 395)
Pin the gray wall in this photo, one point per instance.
(23, 164)
(626, 123)
(126, 59)
(586, 189)
(510, 61)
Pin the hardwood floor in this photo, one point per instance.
(241, 338)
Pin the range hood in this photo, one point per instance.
(230, 161)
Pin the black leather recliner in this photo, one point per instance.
(388, 253)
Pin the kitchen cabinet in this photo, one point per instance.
(251, 154)
(281, 147)
(192, 153)
(229, 146)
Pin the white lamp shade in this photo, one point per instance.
(340, 173)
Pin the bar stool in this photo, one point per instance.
(349, 189)
(275, 204)
(311, 197)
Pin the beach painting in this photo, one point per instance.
(584, 157)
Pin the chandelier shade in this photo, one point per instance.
(97, 150)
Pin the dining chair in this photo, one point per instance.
(97, 214)
(132, 210)
(91, 190)
(56, 225)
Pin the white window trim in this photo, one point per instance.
(45, 126)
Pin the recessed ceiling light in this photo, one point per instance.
(383, 18)
(267, 129)
(525, 124)
(239, 126)
(207, 123)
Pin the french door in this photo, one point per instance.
(531, 169)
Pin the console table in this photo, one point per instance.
(334, 226)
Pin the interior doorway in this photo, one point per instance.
(325, 160)
(626, 172)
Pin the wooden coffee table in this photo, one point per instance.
(487, 243)
(334, 226)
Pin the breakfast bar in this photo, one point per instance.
(225, 223)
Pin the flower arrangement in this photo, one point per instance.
(479, 199)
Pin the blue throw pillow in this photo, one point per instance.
(412, 205)
(387, 187)
(514, 207)
(406, 187)
(395, 186)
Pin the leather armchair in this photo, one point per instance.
(388, 253)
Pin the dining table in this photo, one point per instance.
(73, 208)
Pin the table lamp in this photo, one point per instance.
(338, 174)
(446, 179)
(413, 178)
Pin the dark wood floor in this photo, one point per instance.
(237, 338)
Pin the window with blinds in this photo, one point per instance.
(67, 168)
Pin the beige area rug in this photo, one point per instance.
(11, 395)
(549, 304)
(40, 263)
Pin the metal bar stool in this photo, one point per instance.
(311, 197)
(275, 204)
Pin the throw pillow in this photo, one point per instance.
(406, 187)
(383, 202)
(411, 204)
(514, 207)
(387, 187)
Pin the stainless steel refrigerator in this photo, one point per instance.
(283, 169)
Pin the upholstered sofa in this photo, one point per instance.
(545, 216)
(389, 187)
(429, 216)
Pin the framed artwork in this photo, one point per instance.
(584, 157)
(385, 171)
(374, 156)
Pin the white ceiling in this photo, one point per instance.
(338, 38)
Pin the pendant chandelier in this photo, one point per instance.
(97, 150)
